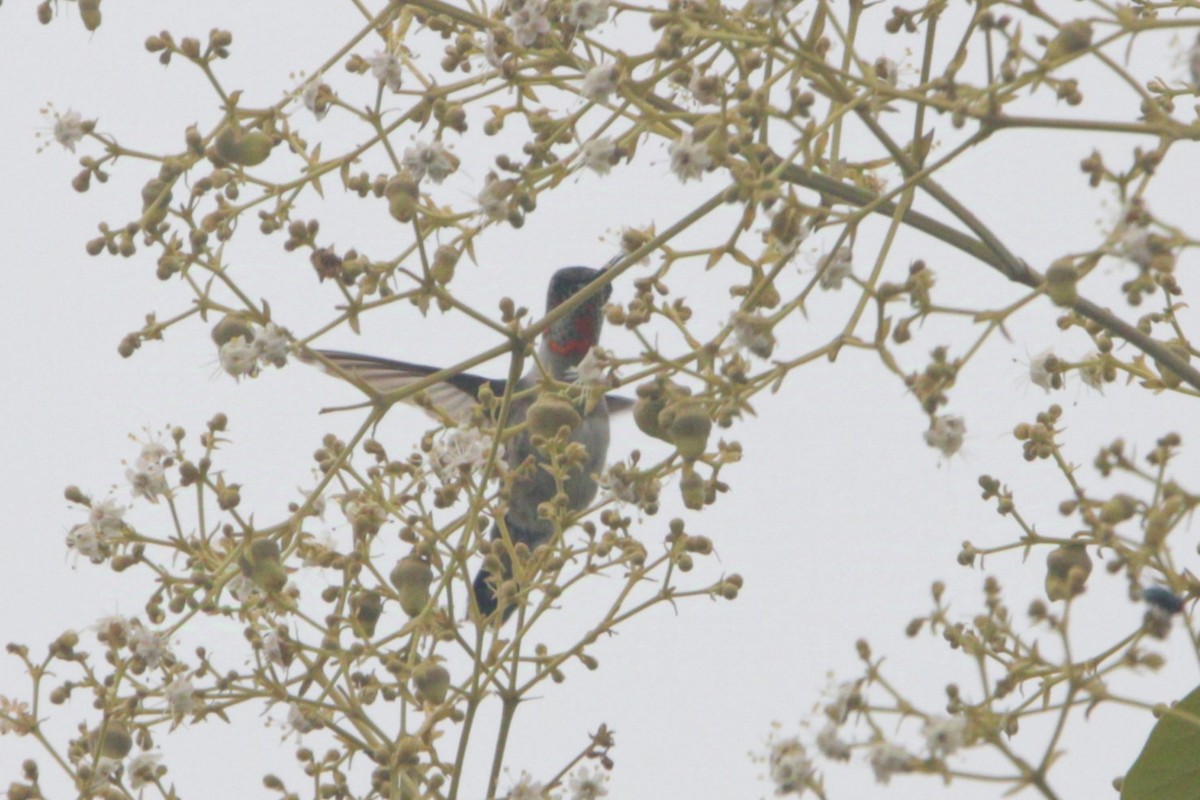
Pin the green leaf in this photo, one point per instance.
(1169, 765)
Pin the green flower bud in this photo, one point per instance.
(1060, 284)
(1073, 37)
(260, 562)
(691, 486)
(689, 429)
(230, 327)
(1067, 571)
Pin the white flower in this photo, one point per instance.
(86, 540)
(1136, 245)
(526, 788)
(68, 129)
(588, 14)
(316, 96)
(489, 50)
(1091, 371)
(599, 82)
(106, 516)
(944, 735)
(387, 69)
(493, 200)
(300, 721)
(886, 760)
(431, 159)
(242, 588)
(149, 646)
(106, 769)
(831, 745)
(705, 89)
(154, 453)
(272, 648)
(528, 22)
(791, 770)
(836, 267)
(753, 333)
(847, 698)
(598, 155)
(1043, 371)
(271, 345)
(946, 434)
(616, 482)
(147, 480)
(775, 8)
(593, 369)
(179, 695)
(239, 357)
(461, 448)
(15, 717)
(689, 159)
(585, 786)
(142, 769)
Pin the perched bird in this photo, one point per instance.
(563, 345)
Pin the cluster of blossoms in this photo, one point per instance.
(598, 154)
(835, 268)
(584, 784)
(254, 347)
(946, 434)
(689, 159)
(462, 450)
(92, 539)
(387, 68)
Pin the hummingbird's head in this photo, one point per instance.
(572, 336)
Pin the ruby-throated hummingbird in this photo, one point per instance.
(564, 344)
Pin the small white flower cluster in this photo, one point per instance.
(268, 345)
(526, 788)
(180, 696)
(1040, 373)
(147, 477)
(144, 770)
(752, 333)
(315, 95)
(599, 82)
(461, 449)
(588, 14)
(598, 155)
(387, 68)
(946, 434)
(689, 159)
(149, 646)
(91, 539)
(791, 769)
(432, 159)
(887, 759)
(68, 129)
(588, 784)
(300, 721)
(594, 370)
(493, 198)
(527, 21)
(1135, 245)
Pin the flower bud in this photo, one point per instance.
(248, 149)
(1072, 37)
(1060, 284)
(689, 429)
(260, 562)
(230, 327)
(368, 608)
(116, 742)
(1067, 570)
(691, 487)
(412, 578)
(432, 682)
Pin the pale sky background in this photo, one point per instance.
(839, 517)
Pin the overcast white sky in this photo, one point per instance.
(839, 517)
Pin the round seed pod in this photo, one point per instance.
(248, 149)
(550, 413)
(412, 578)
(431, 681)
(689, 430)
(117, 742)
(368, 608)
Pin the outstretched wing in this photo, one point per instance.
(455, 395)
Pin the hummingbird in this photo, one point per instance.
(563, 345)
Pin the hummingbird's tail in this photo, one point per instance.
(487, 582)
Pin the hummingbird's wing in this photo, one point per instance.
(456, 395)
